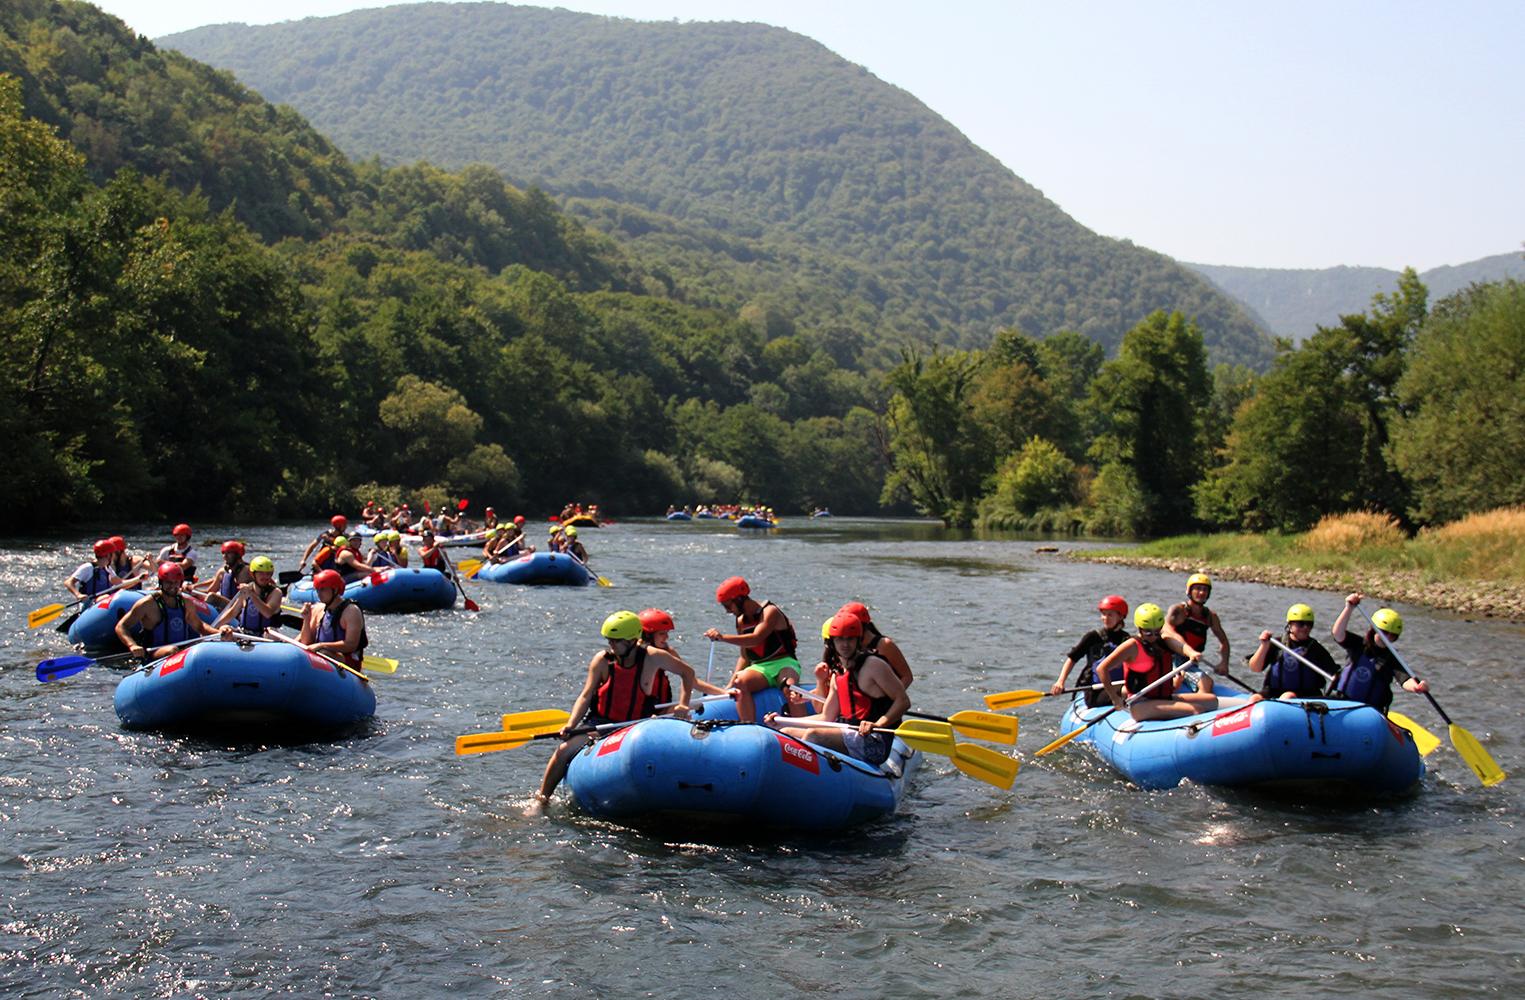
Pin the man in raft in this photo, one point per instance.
(324, 539)
(161, 620)
(335, 625)
(767, 642)
(232, 574)
(180, 550)
(621, 687)
(96, 576)
(866, 694)
(1189, 622)
(132, 571)
(257, 604)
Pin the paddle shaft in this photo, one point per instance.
(1407, 669)
(1067, 737)
(272, 634)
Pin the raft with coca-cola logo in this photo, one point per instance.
(1322, 744)
(263, 686)
(715, 769)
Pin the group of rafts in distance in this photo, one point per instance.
(841, 752)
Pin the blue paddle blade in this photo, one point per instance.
(63, 666)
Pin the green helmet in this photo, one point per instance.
(261, 564)
(340, 541)
(1300, 613)
(622, 625)
(572, 531)
(1149, 617)
(1388, 621)
(492, 532)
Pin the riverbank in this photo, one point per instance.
(1475, 566)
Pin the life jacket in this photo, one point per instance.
(324, 559)
(251, 619)
(100, 579)
(228, 585)
(1193, 631)
(1110, 640)
(381, 557)
(1368, 677)
(171, 628)
(620, 698)
(434, 559)
(1146, 667)
(853, 705)
(1284, 672)
(329, 630)
(779, 642)
(349, 572)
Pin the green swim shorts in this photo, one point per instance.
(772, 668)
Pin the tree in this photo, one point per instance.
(939, 454)
(1460, 438)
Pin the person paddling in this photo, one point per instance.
(1094, 647)
(656, 628)
(256, 604)
(325, 539)
(95, 577)
(1145, 658)
(132, 571)
(157, 622)
(619, 688)
(575, 548)
(232, 574)
(1286, 675)
(348, 562)
(866, 693)
(767, 642)
(334, 625)
(1371, 666)
(381, 555)
(1190, 621)
(180, 550)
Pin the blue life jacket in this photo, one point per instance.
(251, 619)
(330, 631)
(228, 585)
(171, 628)
(380, 558)
(1284, 672)
(1368, 677)
(100, 579)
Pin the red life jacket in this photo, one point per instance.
(1145, 668)
(620, 698)
(1193, 631)
(853, 704)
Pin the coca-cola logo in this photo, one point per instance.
(799, 755)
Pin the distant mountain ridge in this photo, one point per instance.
(750, 162)
(1293, 302)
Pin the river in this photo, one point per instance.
(140, 864)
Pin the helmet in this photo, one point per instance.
(170, 572)
(518, 518)
(492, 532)
(1300, 613)
(233, 545)
(1113, 602)
(339, 521)
(844, 623)
(103, 547)
(555, 528)
(261, 564)
(354, 540)
(181, 529)
(328, 579)
(732, 588)
(656, 620)
(340, 541)
(1149, 617)
(119, 543)
(488, 510)
(1388, 621)
(856, 608)
(826, 629)
(1199, 580)
(571, 532)
(622, 625)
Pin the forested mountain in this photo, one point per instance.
(1294, 302)
(758, 168)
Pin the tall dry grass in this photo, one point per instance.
(1487, 545)
(1351, 532)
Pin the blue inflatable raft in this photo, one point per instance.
(679, 515)
(399, 590)
(719, 771)
(753, 521)
(95, 629)
(1318, 743)
(260, 685)
(537, 568)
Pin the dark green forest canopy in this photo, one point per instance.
(749, 162)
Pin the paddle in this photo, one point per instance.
(287, 577)
(322, 656)
(501, 740)
(455, 578)
(469, 566)
(937, 737)
(47, 613)
(979, 725)
(1003, 700)
(1471, 751)
(67, 666)
(602, 582)
(1067, 737)
(1424, 740)
(535, 720)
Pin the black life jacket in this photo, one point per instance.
(779, 642)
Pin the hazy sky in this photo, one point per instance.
(1290, 134)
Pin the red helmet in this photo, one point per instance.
(170, 572)
(731, 589)
(855, 608)
(103, 548)
(119, 543)
(519, 519)
(845, 623)
(181, 529)
(233, 545)
(339, 521)
(328, 580)
(488, 510)
(656, 620)
(1113, 602)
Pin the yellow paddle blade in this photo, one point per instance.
(927, 735)
(1424, 740)
(986, 726)
(1488, 772)
(603, 581)
(986, 764)
(379, 664)
(1061, 741)
(469, 566)
(488, 742)
(516, 722)
(42, 616)
(1012, 699)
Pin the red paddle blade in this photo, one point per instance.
(472, 605)
(463, 504)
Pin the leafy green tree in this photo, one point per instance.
(1038, 480)
(939, 454)
(1460, 438)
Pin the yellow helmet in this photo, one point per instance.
(261, 564)
(571, 531)
(1199, 580)
(826, 629)
(622, 625)
(1300, 613)
(1388, 621)
(1149, 617)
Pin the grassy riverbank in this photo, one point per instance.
(1475, 566)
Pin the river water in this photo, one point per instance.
(140, 864)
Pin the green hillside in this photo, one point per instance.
(753, 164)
